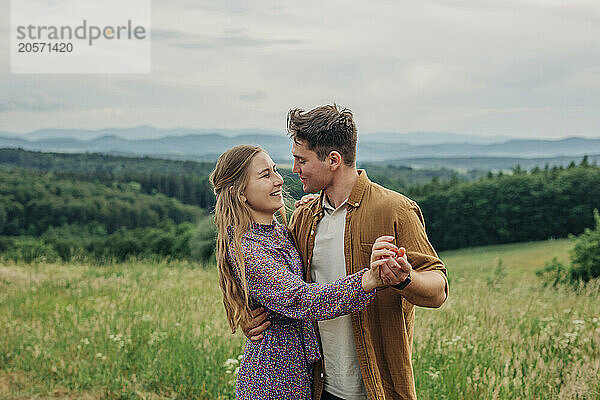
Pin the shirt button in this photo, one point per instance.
(312, 232)
(321, 374)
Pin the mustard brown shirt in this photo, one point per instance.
(383, 332)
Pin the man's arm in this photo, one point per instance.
(426, 288)
(258, 324)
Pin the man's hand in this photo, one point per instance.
(305, 199)
(397, 267)
(258, 325)
(426, 289)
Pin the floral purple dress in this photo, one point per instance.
(280, 365)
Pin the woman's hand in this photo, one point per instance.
(305, 199)
(383, 262)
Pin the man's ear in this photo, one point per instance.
(334, 160)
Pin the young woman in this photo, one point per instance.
(259, 266)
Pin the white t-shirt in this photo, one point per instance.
(342, 371)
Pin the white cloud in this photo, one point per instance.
(517, 67)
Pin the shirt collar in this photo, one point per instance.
(356, 195)
(256, 227)
(359, 188)
(327, 207)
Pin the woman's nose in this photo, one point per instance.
(278, 180)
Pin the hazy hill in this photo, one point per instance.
(150, 132)
(138, 132)
(372, 148)
(487, 163)
(425, 138)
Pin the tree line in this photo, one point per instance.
(33, 201)
(186, 181)
(523, 206)
(101, 196)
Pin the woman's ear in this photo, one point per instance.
(242, 197)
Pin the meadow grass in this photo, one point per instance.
(125, 331)
(501, 335)
(158, 331)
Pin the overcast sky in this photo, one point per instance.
(520, 68)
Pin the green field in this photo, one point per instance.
(158, 331)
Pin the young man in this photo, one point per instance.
(367, 354)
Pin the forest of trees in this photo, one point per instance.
(186, 181)
(523, 206)
(33, 201)
(101, 207)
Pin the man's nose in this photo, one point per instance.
(295, 168)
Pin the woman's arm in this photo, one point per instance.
(275, 287)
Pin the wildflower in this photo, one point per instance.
(118, 339)
(232, 366)
(433, 373)
(156, 337)
(230, 362)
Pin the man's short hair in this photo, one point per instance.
(325, 129)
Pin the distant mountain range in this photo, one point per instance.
(139, 132)
(372, 148)
(150, 132)
(464, 164)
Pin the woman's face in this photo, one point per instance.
(263, 191)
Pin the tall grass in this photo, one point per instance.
(126, 331)
(158, 331)
(501, 335)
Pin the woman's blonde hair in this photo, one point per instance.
(229, 180)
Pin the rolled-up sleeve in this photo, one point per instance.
(410, 234)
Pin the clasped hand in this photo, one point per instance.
(389, 265)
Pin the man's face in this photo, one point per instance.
(314, 174)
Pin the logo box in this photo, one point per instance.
(82, 36)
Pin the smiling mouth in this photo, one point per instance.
(277, 193)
